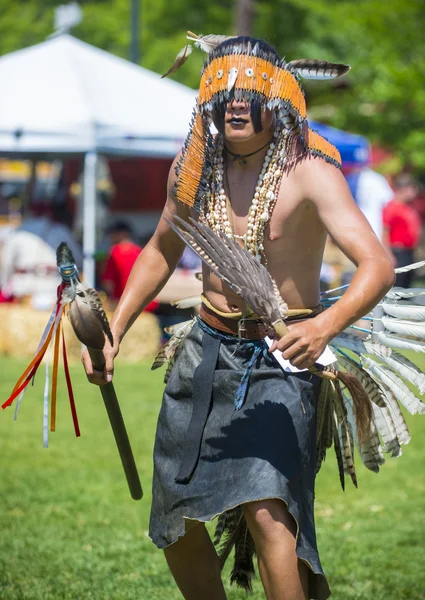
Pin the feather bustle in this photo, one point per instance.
(397, 385)
(411, 267)
(362, 405)
(370, 386)
(406, 368)
(345, 434)
(386, 430)
(370, 450)
(338, 451)
(404, 327)
(243, 569)
(233, 526)
(324, 422)
(397, 416)
(354, 343)
(405, 311)
(400, 343)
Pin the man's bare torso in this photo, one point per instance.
(294, 239)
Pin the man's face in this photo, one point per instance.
(238, 123)
(411, 191)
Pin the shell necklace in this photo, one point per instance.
(215, 204)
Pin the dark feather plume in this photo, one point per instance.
(338, 450)
(232, 531)
(324, 436)
(243, 569)
(229, 526)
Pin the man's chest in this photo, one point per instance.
(284, 215)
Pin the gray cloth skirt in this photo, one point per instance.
(265, 449)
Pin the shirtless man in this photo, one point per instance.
(260, 457)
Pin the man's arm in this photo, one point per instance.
(327, 189)
(148, 276)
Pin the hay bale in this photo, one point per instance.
(21, 328)
(143, 339)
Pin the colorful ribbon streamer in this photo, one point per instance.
(50, 338)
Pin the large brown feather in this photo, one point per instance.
(238, 268)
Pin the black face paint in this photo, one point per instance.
(256, 109)
(218, 115)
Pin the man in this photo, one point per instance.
(121, 258)
(28, 258)
(262, 180)
(372, 192)
(403, 225)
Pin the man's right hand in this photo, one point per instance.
(105, 376)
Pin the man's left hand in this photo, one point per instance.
(303, 345)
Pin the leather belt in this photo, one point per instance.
(247, 329)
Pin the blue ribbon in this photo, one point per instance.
(258, 347)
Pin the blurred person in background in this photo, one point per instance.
(372, 192)
(403, 225)
(120, 260)
(28, 267)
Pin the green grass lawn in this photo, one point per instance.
(69, 529)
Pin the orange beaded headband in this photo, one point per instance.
(245, 69)
(250, 73)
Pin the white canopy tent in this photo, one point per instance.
(64, 97)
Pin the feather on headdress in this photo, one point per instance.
(247, 69)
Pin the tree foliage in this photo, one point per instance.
(382, 97)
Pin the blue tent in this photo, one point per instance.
(354, 149)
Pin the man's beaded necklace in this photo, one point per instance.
(214, 211)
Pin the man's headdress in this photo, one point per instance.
(243, 68)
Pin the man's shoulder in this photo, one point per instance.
(308, 169)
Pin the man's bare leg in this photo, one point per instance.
(194, 564)
(283, 575)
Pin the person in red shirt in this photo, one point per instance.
(122, 256)
(403, 225)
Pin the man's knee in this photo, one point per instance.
(190, 524)
(194, 537)
(269, 518)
